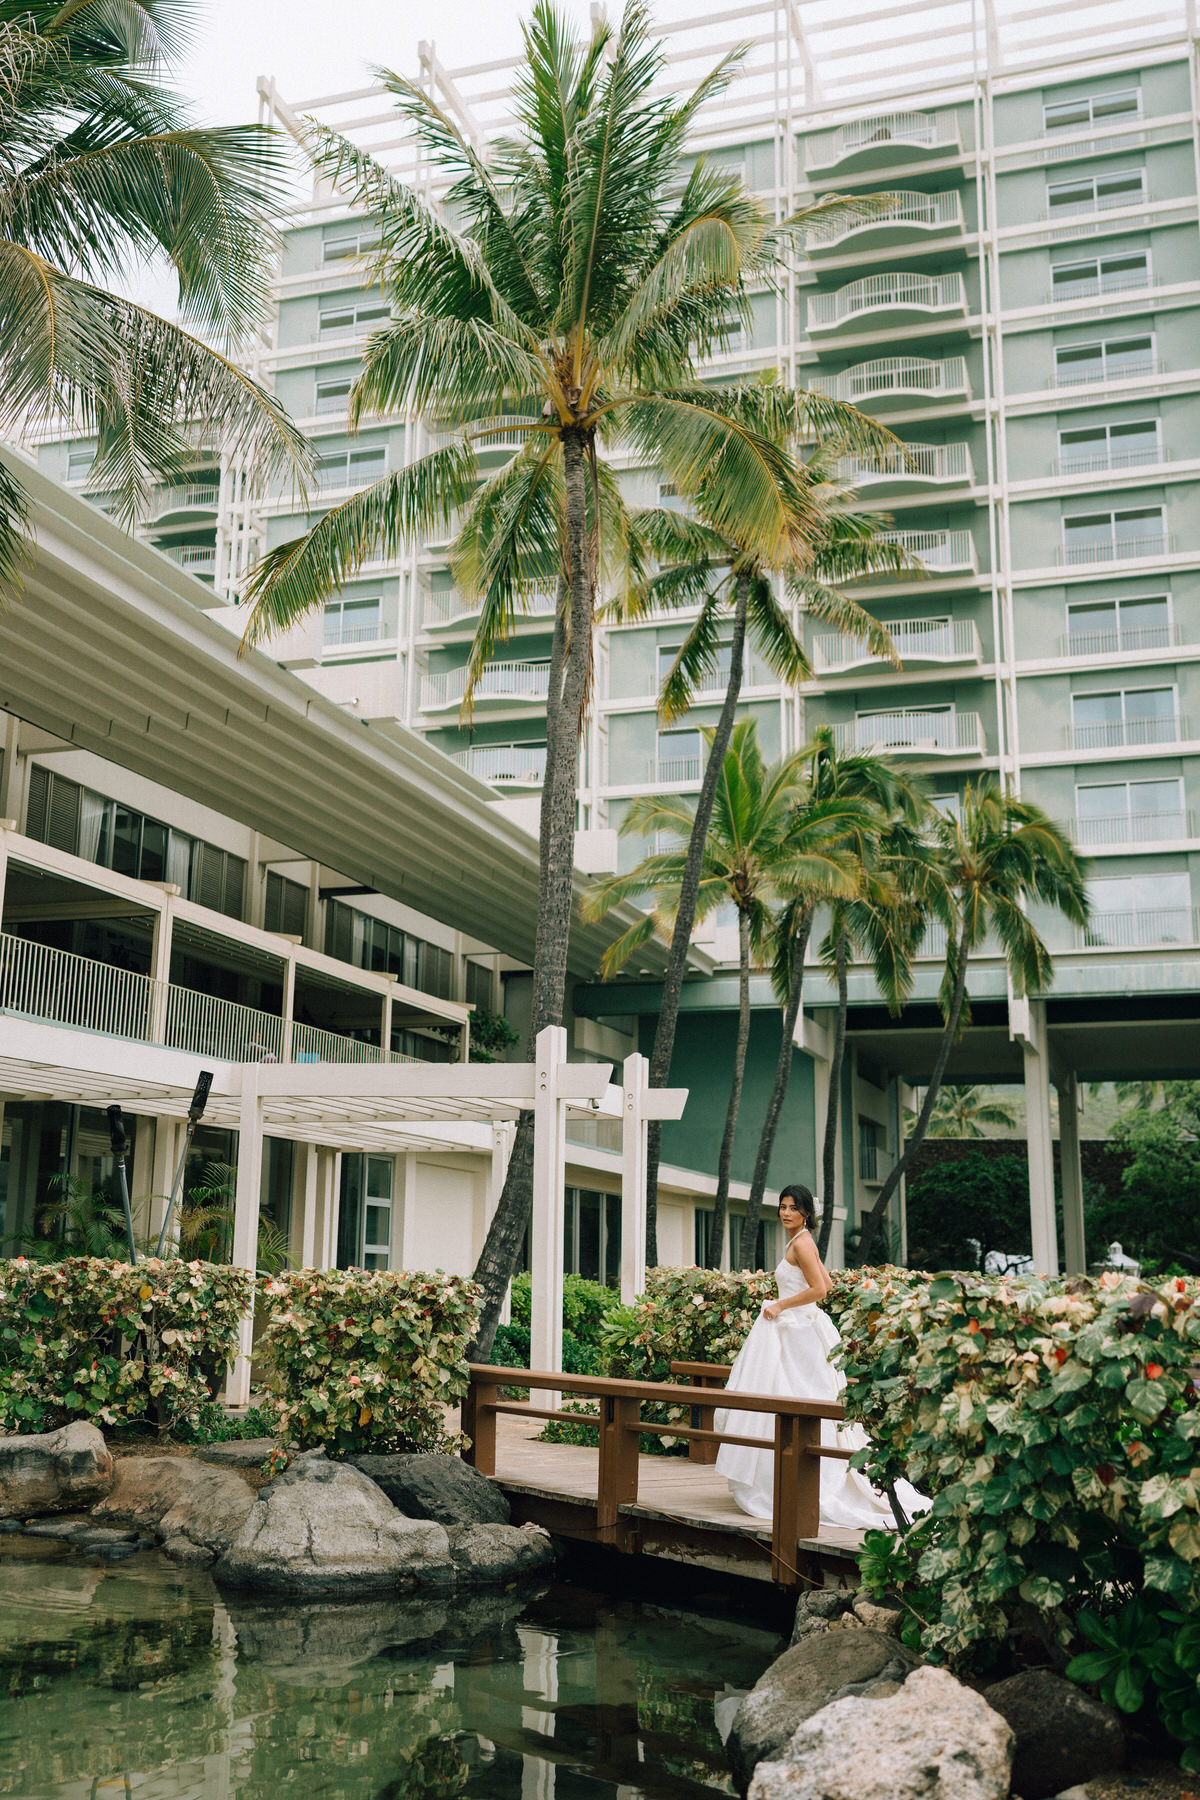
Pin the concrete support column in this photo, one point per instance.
(160, 965)
(245, 1224)
(404, 1212)
(385, 1027)
(304, 1207)
(1074, 1240)
(289, 1009)
(328, 1180)
(635, 1084)
(6, 825)
(165, 1149)
(1028, 1024)
(546, 1224)
(12, 770)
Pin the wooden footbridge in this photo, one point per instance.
(639, 1505)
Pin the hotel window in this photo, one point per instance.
(1089, 448)
(1124, 718)
(352, 468)
(679, 755)
(1108, 536)
(357, 619)
(1106, 627)
(1130, 812)
(1096, 193)
(1111, 359)
(286, 905)
(718, 675)
(333, 394)
(355, 937)
(871, 1146)
(480, 986)
(352, 239)
(365, 1213)
(1093, 109)
(1141, 910)
(79, 463)
(1101, 275)
(351, 318)
(592, 1235)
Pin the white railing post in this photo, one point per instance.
(546, 1223)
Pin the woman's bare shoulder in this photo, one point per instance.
(797, 1245)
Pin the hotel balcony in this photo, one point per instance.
(940, 552)
(909, 219)
(1142, 929)
(916, 466)
(897, 380)
(1120, 643)
(448, 611)
(339, 634)
(880, 301)
(674, 770)
(499, 684)
(916, 640)
(505, 765)
(1118, 830)
(1118, 549)
(194, 558)
(191, 497)
(1110, 460)
(883, 140)
(1129, 734)
(913, 734)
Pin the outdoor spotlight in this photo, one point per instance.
(116, 1131)
(200, 1097)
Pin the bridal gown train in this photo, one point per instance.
(789, 1356)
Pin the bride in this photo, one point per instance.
(787, 1353)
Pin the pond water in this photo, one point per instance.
(141, 1678)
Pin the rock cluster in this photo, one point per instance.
(53, 1471)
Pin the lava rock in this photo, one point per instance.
(55, 1528)
(933, 1739)
(178, 1498)
(181, 1549)
(497, 1553)
(431, 1484)
(1064, 1736)
(53, 1471)
(324, 1528)
(239, 1453)
(105, 1538)
(817, 1609)
(807, 1678)
(878, 1616)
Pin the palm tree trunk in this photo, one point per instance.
(685, 917)
(874, 1218)
(834, 1101)
(783, 1074)
(570, 664)
(725, 1160)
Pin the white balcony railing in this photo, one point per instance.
(674, 768)
(326, 404)
(1119, 549)
(193, 557)
(204, 1026)
(922, 733)
(516, 681)
(915, 462)
(1081, 375)
(505, 765)
(1128, 734)
(923, 212)
(451, 609)
(1136, 828)
(310, 1044)
(942, 552)
(1102, 460)
(338, 633)
(897, 130)
(1091, 288)
(901, 291)
(902, 376)
(916, 640)
(1141, 929)
(1098, 203)
(195, 496)
(61, 989)
(343, 477)
(1119, 642)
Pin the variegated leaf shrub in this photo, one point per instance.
(114, 1343)
(368, 1362)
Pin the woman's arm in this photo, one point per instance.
(803, 1252)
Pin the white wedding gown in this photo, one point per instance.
(789, 1356)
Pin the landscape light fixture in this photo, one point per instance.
(120, 1145)
(195, 1113)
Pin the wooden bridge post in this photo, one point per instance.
(797, 1496)
(617, 1484)
(479, 1424)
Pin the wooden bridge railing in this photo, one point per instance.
(797, 1441)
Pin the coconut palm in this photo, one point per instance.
(563, 294)
(693, 564)
(1003, 854)
(882, 808)
(101, 171)
(763, 844)
(962, 1109)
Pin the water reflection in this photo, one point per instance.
(142, 1679)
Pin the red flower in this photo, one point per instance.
(1060, 1355)
(973, 1327)
(1153, 1371)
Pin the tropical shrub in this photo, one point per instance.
(511, 1350)
(118, 1344)
(1054, 1422)
(368, 1361)
(586, 1306)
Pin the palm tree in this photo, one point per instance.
(564, 294)
(987, 867)
(882, 808)
(101, 171)
(695, 564)
(962, 1109)
(762, 845)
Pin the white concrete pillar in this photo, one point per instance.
(549, 1182)
(6, 825)
(329, 1174)
(12, 770)
(1074, 1239)
(166, 1147)
(245, 1224)
(634, 1085)
(385, 1026)
(289, 1007)
(404, 1211)
(1029, 1025)
(160, 964)
(303, 1244)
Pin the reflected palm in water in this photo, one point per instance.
(143, 1678)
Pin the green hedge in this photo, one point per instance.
(121, 1345)
(1055, 1424)
(368, 1361)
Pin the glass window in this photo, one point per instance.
(1109, 360)
(1099, 627)
(1077, 115)
(353, 317)
(1097, 193)
(1123, 718)
(352, 468)
(1130, 812)
(1101, 275)
(1141, 910)
(333, 395)
(679, 755)
(353, 621)
(1087, 447)
(1126, 531)
(351, 239)
(79, 463)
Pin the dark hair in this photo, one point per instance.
(802, 1200)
